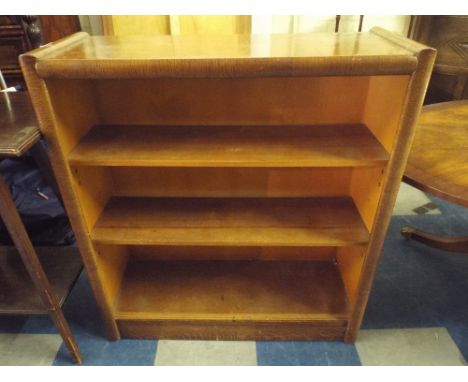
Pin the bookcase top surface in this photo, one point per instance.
(376, 51)
(229, 46)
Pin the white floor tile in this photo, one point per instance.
(412, 347)
(410, 198)
(206, 353)
(29, 349)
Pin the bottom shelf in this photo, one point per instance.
(18, 294)
(232, 300)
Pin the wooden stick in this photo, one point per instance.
(15, 227)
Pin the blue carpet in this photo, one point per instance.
(12, 324)
(418, 286)
(297, 353)
(415, 287)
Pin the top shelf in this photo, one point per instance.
(371, 53)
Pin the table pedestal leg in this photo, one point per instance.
(15, 227)
(446, 243)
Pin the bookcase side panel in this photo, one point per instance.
(52, 128)
(384, 106)
(365, 189)
(94, 187)
(75, 113)
(400, 146)
(350, 261)
(111, 261)
(382, 114)
(74, 108)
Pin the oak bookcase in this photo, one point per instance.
(230, 187)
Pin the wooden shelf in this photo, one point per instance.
(170, 292)
(229, 146)
(17, 292)
(232, 300)
(230, 221)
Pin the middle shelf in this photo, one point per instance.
(229, 146)
(331, 221)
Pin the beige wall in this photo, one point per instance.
(174, 24)
(307, 24)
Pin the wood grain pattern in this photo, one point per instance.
(162, 252)
(74, 111)
(229, 146)
(250, 330)
(235, 290)
(383, 110)
(226, 101)
(111, 262)
(365, 187)
(50, 128)
(58, 26)
(438, 162)
(227, 56)
(391, 183)
(18, 34)
(446, 33)
(457, 244)
(350, 261)
(18, 127)
(377, 79)
(230, 221)
(230, 182)
(93, 185)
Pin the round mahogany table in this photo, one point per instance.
(438, 164)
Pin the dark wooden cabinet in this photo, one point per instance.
(449, 35)
(19, 34)
(57, 27)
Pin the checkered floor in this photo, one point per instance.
(415, 315)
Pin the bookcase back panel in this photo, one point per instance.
(284, 100)
(230, 182)
(230, 253)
